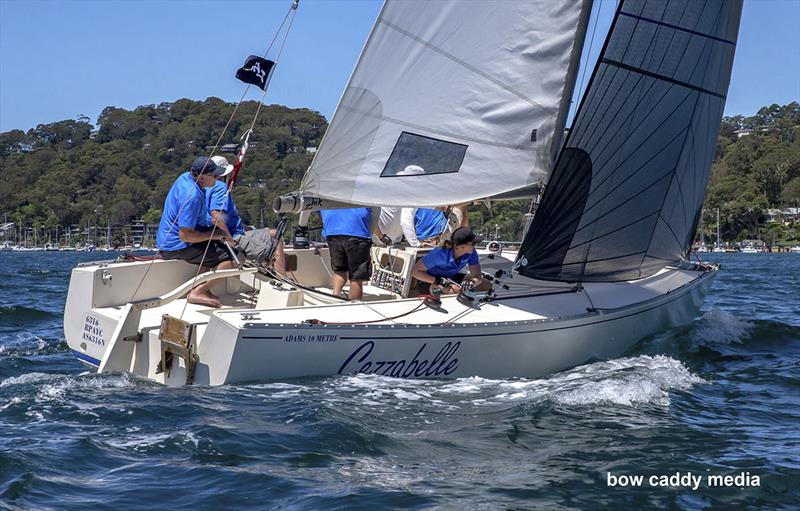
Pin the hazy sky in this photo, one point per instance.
(61, 59)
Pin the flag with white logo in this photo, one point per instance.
(255, 71)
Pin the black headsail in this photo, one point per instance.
(625, 195)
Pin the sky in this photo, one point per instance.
(62, 59)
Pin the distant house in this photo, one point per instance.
(774, 216)
(749, 131)
(228, 148)
(789, 215)
(311, 150)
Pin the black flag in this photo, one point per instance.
(255, 71)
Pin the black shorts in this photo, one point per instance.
(352, 255)
(424, 288)
(217, 253)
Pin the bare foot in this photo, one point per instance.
(207, 299)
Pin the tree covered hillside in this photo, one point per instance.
(756, 168)
(71, 172)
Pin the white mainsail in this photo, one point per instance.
(475, 93)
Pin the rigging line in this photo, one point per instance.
(610, 36)
(213, 150)
(592, 78)
(277, 32)
(459, 316)
(591, 43)
(633, 88)
(645, 54)
(186, 200)
(460, 62)
(255, 117)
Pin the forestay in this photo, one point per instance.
(625, 196)
(475, 93)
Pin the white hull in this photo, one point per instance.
(530, 336)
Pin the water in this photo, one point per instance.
(721, 396)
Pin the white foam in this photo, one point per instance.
(27, 378)
(626, 381)
(720, 327)
(146, 440)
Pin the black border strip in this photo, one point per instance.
(676, 27)
(660, 77)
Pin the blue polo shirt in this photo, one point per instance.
(346, 222)
(429, 223)
(441, 263)
(184, 207)
(218, 199)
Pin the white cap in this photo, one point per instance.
(222, 163)
(410, 170)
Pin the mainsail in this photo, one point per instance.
(625, 196)
(475, 93)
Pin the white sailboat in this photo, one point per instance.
(477, 94)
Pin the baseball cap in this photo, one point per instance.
(464, 235)
(203, 165)
(222, 162)
(411, 170)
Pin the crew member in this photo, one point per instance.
(348, 236)
(184, 232)
(224, 215)
(447, 262)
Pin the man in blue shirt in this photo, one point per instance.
(448, 261)
(222, 212)
(349, 242)
(184, 232)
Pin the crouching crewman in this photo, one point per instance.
(447, 262)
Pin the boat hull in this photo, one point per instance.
(516, 335)
(529, 349)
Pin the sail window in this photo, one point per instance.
(433, 155)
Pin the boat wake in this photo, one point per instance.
(718, 327)
(623, 382)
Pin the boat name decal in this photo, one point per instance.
(311, 338)
(442, 364)
(92, 331)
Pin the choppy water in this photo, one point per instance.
(721, 396)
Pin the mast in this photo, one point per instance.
(719, 243)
